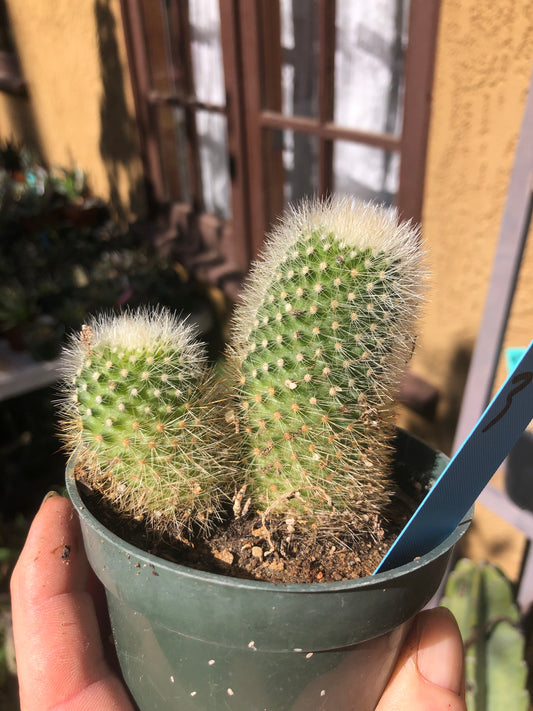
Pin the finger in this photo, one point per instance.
(430, 671)
(60, 657)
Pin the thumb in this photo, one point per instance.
(430, 670)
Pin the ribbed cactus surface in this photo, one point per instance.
(481, 598)
(321, 344)
(143, 416)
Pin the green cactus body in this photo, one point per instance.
(481, 599)
(143, 415)
(321, 345)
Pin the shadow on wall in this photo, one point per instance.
(18, 107)
(440, 432)
(118, 138)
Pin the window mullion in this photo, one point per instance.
(183, 79)
(326, 91)
(418, 73)
(230, 31)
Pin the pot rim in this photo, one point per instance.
(370, 581)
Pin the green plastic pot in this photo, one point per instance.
(190, 640)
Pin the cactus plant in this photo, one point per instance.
(142, 414)
(481, 598)
(320, 345)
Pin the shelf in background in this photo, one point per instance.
(20, 374)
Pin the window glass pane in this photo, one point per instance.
(211, 130)
(300, 161)
(208, 73)
(299, 71)
(366, 172)
(370, 46)
(206, 50)
(208, 82)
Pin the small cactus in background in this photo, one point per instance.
(142, 414)
(320, 346)
(481, 599)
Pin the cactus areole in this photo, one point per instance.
(321, 345)
(296, 436)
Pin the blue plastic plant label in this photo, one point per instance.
(512, 357)
(469, 471)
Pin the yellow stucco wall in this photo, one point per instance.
(74, 61)
(483, 64)
(81, 110)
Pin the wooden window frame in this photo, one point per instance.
(254, 113)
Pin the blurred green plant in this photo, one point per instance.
(482, 600)
(16, 306)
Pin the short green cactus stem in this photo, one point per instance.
(482, 600)
(321, 344)
(142, 415)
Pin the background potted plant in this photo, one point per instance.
(62, 257)
(483, 602)
(282, 470)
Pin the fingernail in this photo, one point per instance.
(50, 495)
(440, 650)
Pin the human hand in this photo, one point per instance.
(429, 673)
(65, 659)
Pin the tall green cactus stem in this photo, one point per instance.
(482, 600)
(320, 344)
(141, 413)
